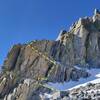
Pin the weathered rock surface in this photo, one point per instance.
(84, 37)
(28, 66)
(88, 92)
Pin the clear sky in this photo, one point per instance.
(26, 20)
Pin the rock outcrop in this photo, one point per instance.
(85, 38)
(29, 66)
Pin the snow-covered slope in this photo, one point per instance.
(94, 78)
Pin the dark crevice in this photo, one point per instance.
(36, 59)
(49, 68)
(20, 61)
(99, 43)
(53, 50)
(65, 77)
(17, 57)
(45, 49)
(86, 46)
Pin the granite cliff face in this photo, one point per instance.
(28, 66)
(85, 38)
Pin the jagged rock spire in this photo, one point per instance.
(96, 15)
(96, 11)
(62, 32)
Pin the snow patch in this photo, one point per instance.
(98, 75)
(94, 78)
(77, 67)
(59, 37)
(47, 95)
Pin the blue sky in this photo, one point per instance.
(26, 20)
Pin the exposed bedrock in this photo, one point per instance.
(45, 60)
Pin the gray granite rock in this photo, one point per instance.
(46, 60)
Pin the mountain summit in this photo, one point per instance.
(29, 67)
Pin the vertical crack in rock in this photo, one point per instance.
(86, 46)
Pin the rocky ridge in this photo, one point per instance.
(28, 66)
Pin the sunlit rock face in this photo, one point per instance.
(27, 66)
(84, 37)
